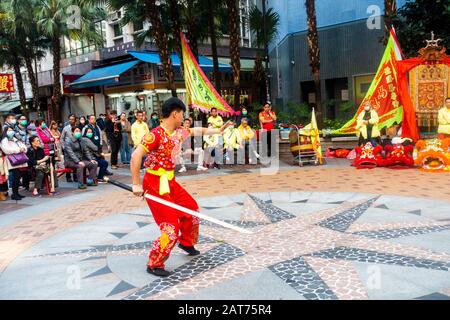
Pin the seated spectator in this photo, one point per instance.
(247, 135)
(39, 162)
(78, 156)
(244, 114)
(191, 146)
(232, 141)
(212, 148)
(96, 152)
(4, 173)
(13, 146)
(48, 143)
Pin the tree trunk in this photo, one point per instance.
(175, 17)
(235, 54)
(212, 35)
(33, 79)
(56, 98)
(389, 11)
(160, 37)
(314, 56)
(192, 27)
(20, 88)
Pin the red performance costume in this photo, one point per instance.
(162, 150)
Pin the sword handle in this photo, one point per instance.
(120, 185)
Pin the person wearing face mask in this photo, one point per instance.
(96, 151)
(244, 114)
(367, 126)
(81, 122)
(154, 120)
(10, 121)
(39, 162)
(13, 146)
(48, 142)
(21, 129)
(232, 141)
(78, 156)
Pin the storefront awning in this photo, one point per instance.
(246, 64)
(8, 106)
(153, 57)
(103, 75)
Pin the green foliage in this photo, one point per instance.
(298, 114)
(415, 21)
(333, 123)
(272, 20)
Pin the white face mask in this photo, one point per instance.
(367, 108)
(13, 121)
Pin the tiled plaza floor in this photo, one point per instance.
(329, 232)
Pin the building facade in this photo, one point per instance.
(350, 52)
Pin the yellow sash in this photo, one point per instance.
(164, 178)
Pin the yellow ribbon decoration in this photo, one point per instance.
(164, 178)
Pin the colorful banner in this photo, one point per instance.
(315, 137)
(201, 93)
(383, 92)
(6, 82)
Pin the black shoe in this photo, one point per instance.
(21, 196)
(16, 197)
(159, 272)
(109, 173)
(191, 250)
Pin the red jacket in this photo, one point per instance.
(46, 138)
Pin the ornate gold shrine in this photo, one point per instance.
(429, 85)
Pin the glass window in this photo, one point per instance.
(117, 30)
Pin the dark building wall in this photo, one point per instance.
(346, 50)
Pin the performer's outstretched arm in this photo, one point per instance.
(200, 131)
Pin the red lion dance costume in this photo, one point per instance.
(162, 150)
(368, 156)
(433, 155)
(398, 156)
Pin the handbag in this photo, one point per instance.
(17, 159)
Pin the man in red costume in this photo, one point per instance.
(161, 147)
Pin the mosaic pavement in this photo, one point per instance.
(304, 245)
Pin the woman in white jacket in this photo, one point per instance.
(11, 145)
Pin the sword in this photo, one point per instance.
(180, 208)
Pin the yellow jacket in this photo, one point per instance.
(216, 122)
(444, 120)
(362, 128)
(138, 130)
(232, 138)
(247, 133)
(211, 141)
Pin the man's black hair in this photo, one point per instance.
(172, 104)
(32, 138)
(213, 108)
(74, 127)
(71, 115)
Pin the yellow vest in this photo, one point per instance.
(444, 120)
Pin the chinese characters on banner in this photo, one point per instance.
(6, 82)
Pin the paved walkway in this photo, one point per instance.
(330, 232)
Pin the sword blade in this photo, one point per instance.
(183, 209)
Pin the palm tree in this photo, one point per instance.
(271, 21)
(314, 55)
(158, 33)
(23, 25)
(9, 56)
(265, 27)
(235, 54)
(213, 7)
(53, 15)
(389, 13)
